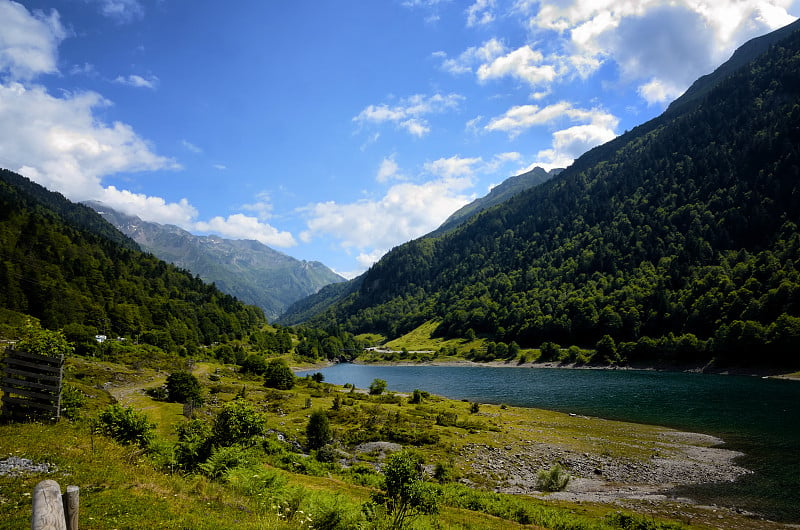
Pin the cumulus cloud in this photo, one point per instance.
(240, 226)
(68, 148)
(408, 114)
(520, 118)
(597, 128)
(524, 64)
(138, 81)
(372, 227)
(453, 167)
(663, 46)
(28, 41)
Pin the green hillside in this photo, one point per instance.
(64, 265)
(677, 241)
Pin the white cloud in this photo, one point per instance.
(122, 11)
(371, 227)
(388, 170)
(240, 226)
(480, 13)
(149, 208)
(63, 141)
(658, 91)
(408, 113)
(662, 46)
(453, 167)
(520, 118)
(524, 64)
(189, 146)
(219, 167)
(262, 207)
(138, 81)
(28, 41)
(471, 57)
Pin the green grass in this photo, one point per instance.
(123, 487)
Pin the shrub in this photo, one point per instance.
(377, 387)
(72, 400)
(183, 387)
(318, 430)
(474, 408)
(44, 342)
(556, 479)
(405, 493)
(125, 425)
(278, 375)
(238, 422)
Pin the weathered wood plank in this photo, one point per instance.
(10, 381)
(28, 403)
(48, 507)
(41, 377)
(72, 507)
(27, 364)
(50, 396)
(49, 359)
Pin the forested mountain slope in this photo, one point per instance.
(677, 240)
(248, 270)
(63, 264)
(499, 194)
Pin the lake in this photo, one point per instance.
(760, 417)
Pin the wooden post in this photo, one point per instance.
(48, 508)
(71, 507)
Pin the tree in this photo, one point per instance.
(318, 430)
(377, 387)
(183, 387)
(405, 492)
(278, 375)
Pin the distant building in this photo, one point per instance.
(100, 338)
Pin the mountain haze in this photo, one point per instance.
(677, 240)
(246, 269)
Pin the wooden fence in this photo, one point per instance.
(31, 385)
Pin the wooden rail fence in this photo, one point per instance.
(31, 384)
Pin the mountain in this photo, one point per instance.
(676, 241)
(741, 57)
(63, 264)
(500, 193)
(305, 308)
(248, 270)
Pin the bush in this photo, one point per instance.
(318, 430)
(556, 479)
(405, 493)
(183, 387)
(377, 387)
(72, 400)
(278, 375)
(125, 425)
(238, 422)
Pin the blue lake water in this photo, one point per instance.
(760, 417)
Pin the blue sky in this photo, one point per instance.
(334, 130)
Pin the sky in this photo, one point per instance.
(335, 130)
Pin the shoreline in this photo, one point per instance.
(766, 373)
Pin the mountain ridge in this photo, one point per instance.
(649, 241)
(247, 269)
